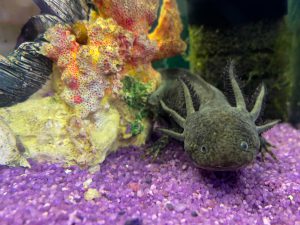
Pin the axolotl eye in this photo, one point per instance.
(203, 149)
(244, 146)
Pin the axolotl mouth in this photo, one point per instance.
(226, 168)
(221, 159)
(230, 166)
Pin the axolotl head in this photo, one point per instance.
(220, 137)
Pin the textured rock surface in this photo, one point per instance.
(131, 190)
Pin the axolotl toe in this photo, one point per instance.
(216, 135)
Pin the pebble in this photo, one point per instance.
(87, 183)
(180, 207)
(140, 193)
(135, 221)
(121, 213)
(148, 179)
(91, 194)
(170, 206)
(194, 214)
(134, 186)
(184, 167)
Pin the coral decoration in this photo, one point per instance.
(134, 15)
(167, 34)
(102, 76)
(93, 56)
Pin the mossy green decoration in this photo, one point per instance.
(294, 25)
(135, 94)
(261, 54)
(294, 109)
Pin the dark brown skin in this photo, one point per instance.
(216, 135)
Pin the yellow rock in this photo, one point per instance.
(91, 194)
(50, 131)
(41, 127)
(87, 183)
(10, 148)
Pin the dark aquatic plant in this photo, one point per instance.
(216, 135)
(294, 24)
(26, 70)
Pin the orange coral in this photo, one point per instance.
(167, 34)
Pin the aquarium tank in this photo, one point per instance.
(149, 112)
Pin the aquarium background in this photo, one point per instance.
(13, 15)
(131, 190)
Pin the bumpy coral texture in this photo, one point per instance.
(93, 56)
(134, 15)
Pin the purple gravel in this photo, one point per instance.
(170, 191)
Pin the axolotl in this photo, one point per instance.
(216, 135)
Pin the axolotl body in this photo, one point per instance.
(216, 135)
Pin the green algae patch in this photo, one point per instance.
(135, 93)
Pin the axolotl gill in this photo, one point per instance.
(216, 135)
